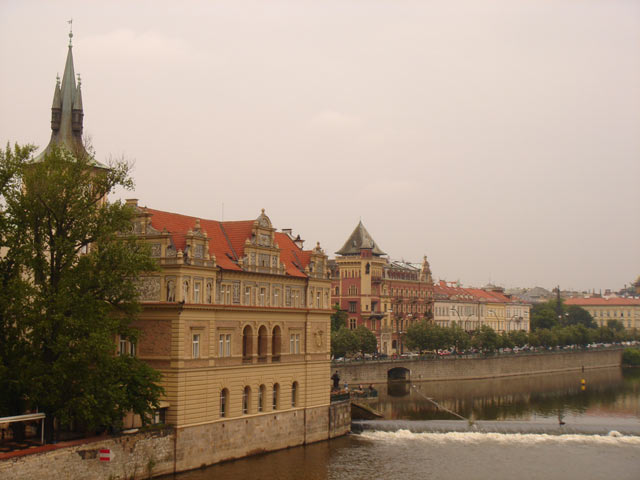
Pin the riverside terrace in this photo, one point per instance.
(478, 365)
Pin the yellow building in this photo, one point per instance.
(471, 308)
(237, 321)
(625, 310)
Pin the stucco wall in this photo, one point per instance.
(467, 368)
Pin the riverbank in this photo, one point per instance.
(462, 368)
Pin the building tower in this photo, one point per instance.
(67, 113)
(385, 296)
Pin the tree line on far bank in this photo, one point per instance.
(551, 325)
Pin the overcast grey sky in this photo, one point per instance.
(500, 138)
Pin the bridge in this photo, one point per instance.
(474, 367)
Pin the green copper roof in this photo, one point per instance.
(67, 102)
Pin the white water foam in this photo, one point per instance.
(613, 438)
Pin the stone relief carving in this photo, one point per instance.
(149, 288)
(319, 337)
(156, 250)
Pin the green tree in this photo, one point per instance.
(544, 315)
(519, 338)
(343, 343)
(546, 337)
(338, 318)
(80, 294)
(366, 339)
(459, 338)
(486, 339)
(14, 294)
(615, 325)
(576, 315)
(416, 337)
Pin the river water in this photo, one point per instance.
(529, 427)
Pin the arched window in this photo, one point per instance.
(276, 396)
(246, 400)
(276, 344)
(262, 342)
(247, 343)
(294, 394)
(262, 394)
(224, 402)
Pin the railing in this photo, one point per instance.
(437, 357)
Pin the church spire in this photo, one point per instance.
(67, 113)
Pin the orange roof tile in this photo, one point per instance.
(227, 240)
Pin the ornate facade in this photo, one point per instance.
(237, 319)
(383, 295)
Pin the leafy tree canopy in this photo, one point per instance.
(68, 292)
(338, 318)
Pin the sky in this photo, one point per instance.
(501, 138)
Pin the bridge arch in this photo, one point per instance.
(399, 373)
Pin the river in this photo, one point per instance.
(529, 427)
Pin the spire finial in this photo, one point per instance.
(70, 22)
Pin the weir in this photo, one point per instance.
(613, 427)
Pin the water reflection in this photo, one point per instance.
(403, 454)
(608, 392)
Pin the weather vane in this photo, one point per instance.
(70, 22)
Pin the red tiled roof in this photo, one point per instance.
(227, 240)
(597, 301)
(291, 255)
(442, 289)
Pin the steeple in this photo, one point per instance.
(67, 113)
(360, 239)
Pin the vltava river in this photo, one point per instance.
(533, 427)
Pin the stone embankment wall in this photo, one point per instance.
(470, 368)
(133, 456)
(166, 451)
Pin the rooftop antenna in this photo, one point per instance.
(70, 22)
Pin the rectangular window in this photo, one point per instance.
(276, 297)
(352, 323)
(353, 307)
(287, 296)
(263, 294)
(247, 295)
(224, 345)
(196, 345)
(227, 294)
(196, 292)
(294, 343)
(123, 346)
(318, 299)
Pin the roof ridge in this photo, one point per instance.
(224, 232)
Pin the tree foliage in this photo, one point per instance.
(338, 318)
(70, 291)
(365, 339)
